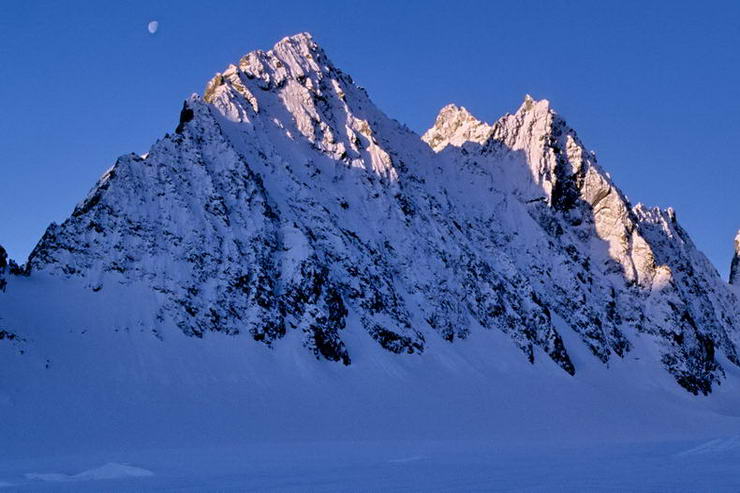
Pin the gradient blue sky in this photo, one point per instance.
(651, 86)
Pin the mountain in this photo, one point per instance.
(286, 202)
(294, 291)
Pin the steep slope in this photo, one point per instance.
(3, 268)
(735, 265)
(8, 268)
(286, 202)
(631, 270)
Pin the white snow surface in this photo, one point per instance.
(111, 470)
(295, 292)
(223, 414)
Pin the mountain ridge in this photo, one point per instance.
(285, 201)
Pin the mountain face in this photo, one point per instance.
(7, 268)
(286, 201)
(3, 268)
(735, 266)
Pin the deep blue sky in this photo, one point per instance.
(651, 86)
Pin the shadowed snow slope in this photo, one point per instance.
(293, 264)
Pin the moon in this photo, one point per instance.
(152, 27)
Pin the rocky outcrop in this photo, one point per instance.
(735, 265)
(3, 268)
(286, 202)
(628, 269)
(455, 126)
(7, 268)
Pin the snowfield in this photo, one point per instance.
(407, 466)
(124, 410)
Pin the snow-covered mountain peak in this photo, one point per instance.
(297, 51)
(539, 106)
(295, 90)
(298, 58)
(300, 53)
(304, 40)
(455, 126)
(290, 204)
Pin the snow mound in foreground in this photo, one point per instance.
(107, 471)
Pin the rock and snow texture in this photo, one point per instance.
(8, 268)
(735, 265)
(286, 202)
(3, 268)
(455, 126)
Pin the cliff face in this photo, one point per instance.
(735, 265)
(642, 272)
(285, 202)
(3, 268)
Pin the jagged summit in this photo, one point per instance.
(288, 207)
(530, 104)
(304, 39)
(455, 125)
(293, 57)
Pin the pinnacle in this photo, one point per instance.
(299, 45)
(455, 125)
(299, 38)
(735, 266)
(294, 56)
(453, 112)
(530, 104)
